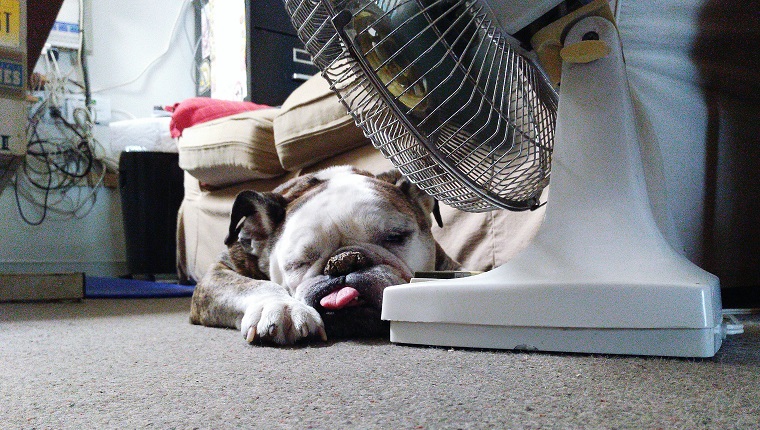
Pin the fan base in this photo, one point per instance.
(655, 342)
(639, 311)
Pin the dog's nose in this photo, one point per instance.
(346, 262)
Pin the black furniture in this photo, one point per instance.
(276, 61)
(151, 190)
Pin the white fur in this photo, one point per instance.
(347, 212)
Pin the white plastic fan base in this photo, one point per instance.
(660, 342)
(599, 277)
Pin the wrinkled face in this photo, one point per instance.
(344, 240)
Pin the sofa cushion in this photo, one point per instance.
(313, 125)
(232, 149)
(479, 241)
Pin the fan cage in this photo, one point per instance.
(440, 92)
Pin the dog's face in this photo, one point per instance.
(336, 239)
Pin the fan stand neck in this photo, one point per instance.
(599, 277)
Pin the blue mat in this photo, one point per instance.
(118, 288)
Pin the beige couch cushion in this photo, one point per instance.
(313, 125)
(233, 149)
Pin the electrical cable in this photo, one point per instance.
(197, 58)
(150, 65)
(62, 172)
(81, 51)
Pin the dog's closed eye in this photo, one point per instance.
(397, 237)
(302, 258)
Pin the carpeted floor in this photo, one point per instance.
(139, 364)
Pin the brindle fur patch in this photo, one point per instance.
(240, 277)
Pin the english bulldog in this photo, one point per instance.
(312, 258)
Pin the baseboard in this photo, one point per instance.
(21, 287)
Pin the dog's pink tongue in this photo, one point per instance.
(339, 299)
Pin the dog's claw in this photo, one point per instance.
(251, 335)
(281, 323)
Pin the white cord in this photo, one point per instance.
(54, 87)
(732, 325)
(155, 60)
(127, 114)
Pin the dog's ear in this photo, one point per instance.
(265, 211)
(428, 203)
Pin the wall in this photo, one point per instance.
(692, 71)
(727, 59)
(128, 37)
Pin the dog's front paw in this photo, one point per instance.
(281, 321)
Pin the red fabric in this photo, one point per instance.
(201, 109)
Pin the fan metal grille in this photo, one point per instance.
(440, 92)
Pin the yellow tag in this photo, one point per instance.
(548, 41)
(584, 51)
(10, 23)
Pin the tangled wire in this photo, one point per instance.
(61, 173)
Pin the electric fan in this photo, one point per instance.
(443, 90)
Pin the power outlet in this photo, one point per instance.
(99, 106)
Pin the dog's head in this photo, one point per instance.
(336, 239)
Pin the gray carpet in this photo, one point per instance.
(140, 364)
